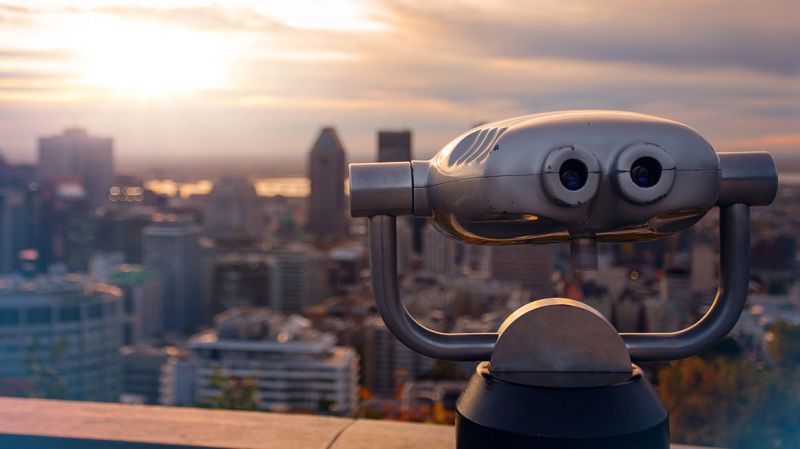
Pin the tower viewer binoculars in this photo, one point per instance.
(556, 371)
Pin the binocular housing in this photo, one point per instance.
(605, 175)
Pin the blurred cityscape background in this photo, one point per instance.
(174, 230)
(254, 294)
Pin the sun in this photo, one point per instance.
(148, 60)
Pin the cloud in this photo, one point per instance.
(13, 9)
(772, 142)
(728, 69)
(208, 18)
(10, 54)
(757, 35)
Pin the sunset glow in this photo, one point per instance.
(257, 77)
(148, 61)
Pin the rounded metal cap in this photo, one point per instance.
(384, 188)
(550, 340)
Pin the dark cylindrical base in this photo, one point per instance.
(496, 414)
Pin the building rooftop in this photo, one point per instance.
(258, 329)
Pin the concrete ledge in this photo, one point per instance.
(47, 424)
(60, 424)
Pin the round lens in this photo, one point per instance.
(645, 172)
(573, 174)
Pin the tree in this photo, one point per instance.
(44, 370)
(236, 393)
(724, 399)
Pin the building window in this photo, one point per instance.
(9, 317)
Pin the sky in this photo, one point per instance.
(190, 81)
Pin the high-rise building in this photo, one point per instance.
(704, 270)
(144, 304)
(141, 372)
(298, 278)
(294, 367)
(76, 154)
(172, 250)
(66, 231)
(121, 231)
(60, 337)
(394, 146)
(531, 266)
(239, 278)
(387, 362)
(327, 217)
(13, 227)
(233, 209)
(439, 252)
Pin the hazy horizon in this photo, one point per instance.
(245, 82)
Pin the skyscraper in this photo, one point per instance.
(13, 227)
(531, 266)
(394, 146)
(17, 219)
(76, 154)
(387, 363)
(297, 278)
(326, 212)
(172, 250)
(439, 252)
(233, 209)
(143, 300)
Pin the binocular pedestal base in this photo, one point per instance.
(492, 413)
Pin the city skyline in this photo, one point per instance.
(180, 81)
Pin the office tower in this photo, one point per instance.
(295, 368)
(387, 363)
(76, 155)
(66, 231)
(394, 146)
(773, 262)
(141, 372)
(144, 303)
(439, 252)
(347, 264)
(298, 278)
(531, 266)
(405, 247)
(120, 231)
(476, 258)
(18, 217)
(60, 337)
(704, 269)
(13, 227)
(676, 291)
(233, 210)
(240, 278)
(172, 250)
(327, 217)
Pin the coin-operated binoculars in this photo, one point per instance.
(556, 374)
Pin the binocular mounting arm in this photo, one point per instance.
(713, 327)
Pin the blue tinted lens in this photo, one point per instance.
(571, 180)
(573, 174)
(646, 172)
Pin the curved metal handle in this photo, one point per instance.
(383, 264)
(713, 327)
(734, 277)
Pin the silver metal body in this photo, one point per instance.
(499, 184)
